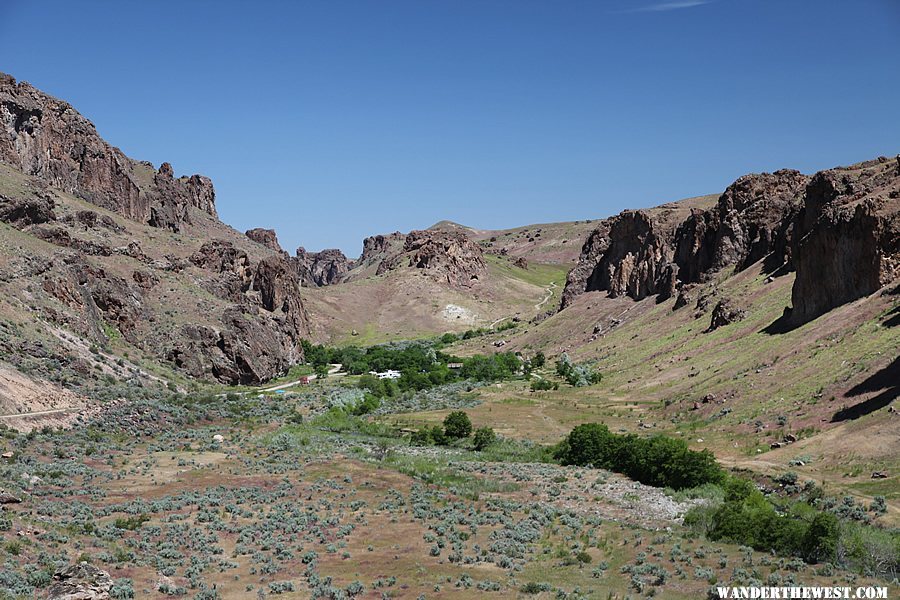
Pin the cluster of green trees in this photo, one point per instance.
(421, 366)
(658, 461)
(576, 375)
(356, 360)
(456, 426)
(749, 518)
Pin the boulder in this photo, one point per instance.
(82, 581)
(724, 314)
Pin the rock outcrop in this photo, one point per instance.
(246, 350)
(752, 220)
(230, 266)
(261, 332)
(626, 255)
(82, 581)
(724, 313)
(266, 237)
(21, 212)
(327, 267)
(377, 247)
(837, 229)
(171, 199)
(447, 255)
(46, 138)
(847, 237)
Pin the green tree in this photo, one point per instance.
(484, 437)
(457, 425)
(821, 539)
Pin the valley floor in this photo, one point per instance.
(304, 507)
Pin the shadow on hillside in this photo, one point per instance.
(887, 380)
(782, 324)
(893, 317)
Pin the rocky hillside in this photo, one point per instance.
(839, 229)
(448, 256)
(124, 255)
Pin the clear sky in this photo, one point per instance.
(333, 120)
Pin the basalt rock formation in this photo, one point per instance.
(204, 300)
(48, 139)
(847, 237)
(266, 237)
(629, 254)
(837, 229)
(327, 267)
(261, 332)
(376, 248)
(752, 220)
(447, 255)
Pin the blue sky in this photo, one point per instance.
(334, 120)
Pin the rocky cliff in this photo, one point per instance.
(327, 267)
(752, 220)
(837, 229)
(208, 300)
(448, 255)
(847, 237)
(46, 138)
(630, 254)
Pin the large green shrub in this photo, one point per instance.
(659, 461)
(457, 425)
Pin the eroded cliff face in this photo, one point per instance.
(261, 332)
(446, 255)
(838, 230)
(629, 254)
(847, 237)
(328, 267)
(752, 220)
(46, 138)
(637, 259)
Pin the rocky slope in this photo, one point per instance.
(48, 139)
(838, 229)
(121, 253)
